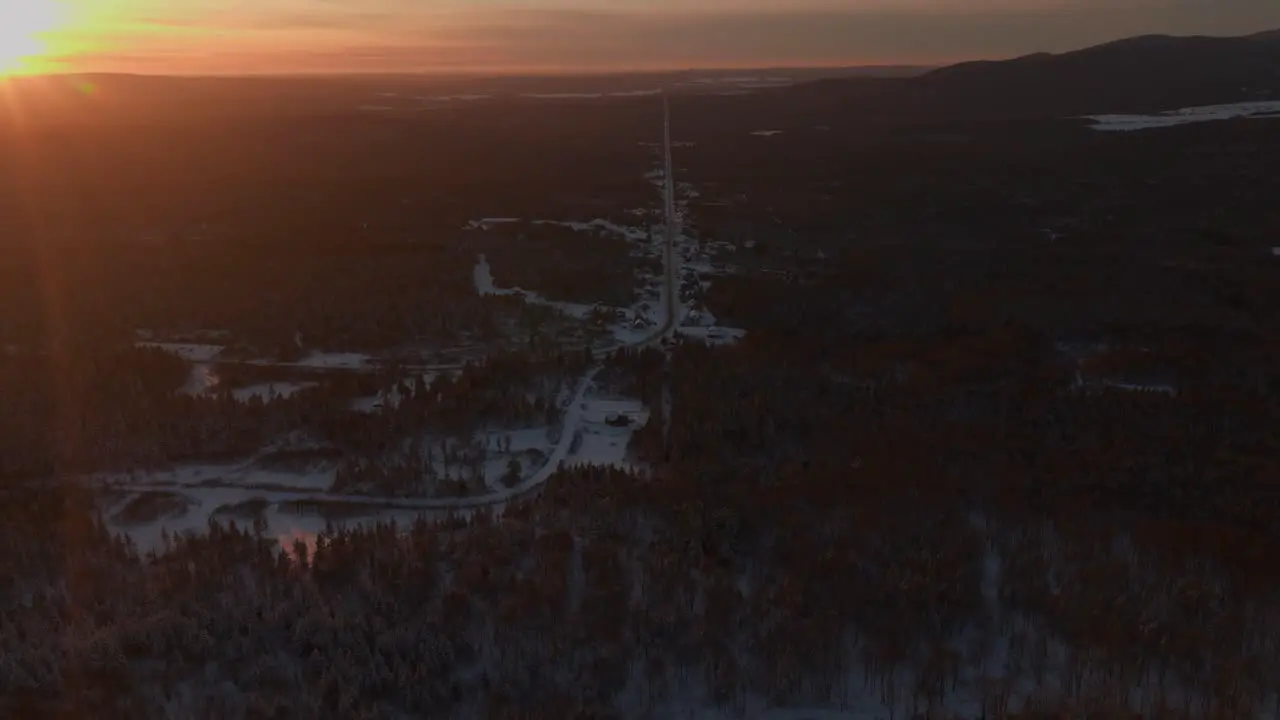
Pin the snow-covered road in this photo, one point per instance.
(572, 419)
(673, 229)
(573, 415)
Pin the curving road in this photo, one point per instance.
(573, 416)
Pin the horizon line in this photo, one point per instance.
(472, 74)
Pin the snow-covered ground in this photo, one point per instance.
(714, 335)
(388, 396)
(602, 443)
(486, 223)
(628, 232)
(334, 360)
(1203, 113)
(282, 522)
(187, 351)
(270, 391)
(701, 325)
(201, 380)
(244, 474)
(213, 486)
(625, 331)
(483, 277)
(529, 447)
(324, 361)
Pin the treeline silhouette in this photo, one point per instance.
(613, 596)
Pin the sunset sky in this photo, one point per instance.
(286, 36)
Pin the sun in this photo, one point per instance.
(24, 34)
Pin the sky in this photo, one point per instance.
(290, 36)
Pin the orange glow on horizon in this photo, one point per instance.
(27, 31)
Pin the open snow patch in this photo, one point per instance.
(605, 431)
(200, 380)
(714, 335)
(1203, 113)
(483, 277)
(486, 223)
(630, 233)
(334, 360)
(269, 391)
(187, 351)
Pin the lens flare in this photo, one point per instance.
(25, 28)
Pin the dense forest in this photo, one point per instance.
(1060, 548)
(1000, 439)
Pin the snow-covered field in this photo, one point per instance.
(270, 391)
(187, 351)
(714, 335)
(602, 443)
(625, 331)
(388, 396)
(701, 325)
(343, 360)
(242, 506)
(204, 488)
(324, 361)
(486, 223)
(243, 474)
(628, 232)
(221, 492)
(201, 380)
(483, 276)
(1204, 113)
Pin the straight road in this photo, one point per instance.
(673, 223)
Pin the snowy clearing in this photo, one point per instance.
(187, 351)
(713, 335)
(1204, 113)
(483, 278)
(324, 360)
(630, 233)
(606, 429)
(270, 391)
(201, 380)
(212, 486)
(486, 223)
(244, 474)
(387, 397)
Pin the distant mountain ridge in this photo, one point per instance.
(1134, 75)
